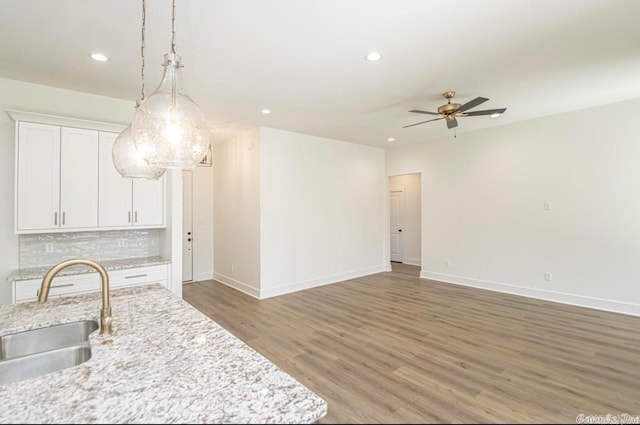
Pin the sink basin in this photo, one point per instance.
(25, 367)
(39, 351)
(45, 339)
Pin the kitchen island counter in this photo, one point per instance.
(165, 363)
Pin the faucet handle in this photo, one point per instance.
(105, 321)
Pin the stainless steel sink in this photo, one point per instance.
(39, 351)
(45, 339)
(37, 364)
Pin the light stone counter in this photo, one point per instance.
(109, 265)
(165, 363)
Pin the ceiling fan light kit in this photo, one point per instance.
(451, 111)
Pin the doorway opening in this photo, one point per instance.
(405, 212)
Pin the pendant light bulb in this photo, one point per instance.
(129, 162)
(168, 128)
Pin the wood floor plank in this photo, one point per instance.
(394, 348)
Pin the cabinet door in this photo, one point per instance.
(148, 202)
(115, 192)
(78, 178)
(38, 177)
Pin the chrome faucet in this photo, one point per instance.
(105, 313)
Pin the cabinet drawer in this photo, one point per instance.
(138, 275)
(28, 290)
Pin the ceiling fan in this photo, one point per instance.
(451, 111)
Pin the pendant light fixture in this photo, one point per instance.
(126, 158)
(169, 129)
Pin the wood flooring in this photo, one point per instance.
(393, 348)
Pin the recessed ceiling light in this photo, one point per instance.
(495, 115)
(266, 111)
(391, 139)
(99, 57)
(373, 57)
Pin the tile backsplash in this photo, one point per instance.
(48, 249)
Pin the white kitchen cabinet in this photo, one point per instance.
(127, 202)
(57, 178)
(38, 176)
(29, 289)
(148, 202)
(78, 178)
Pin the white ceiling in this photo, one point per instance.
(305, 59)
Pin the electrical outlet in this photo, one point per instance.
(548, 276)
(121, 243)
(447, 263)
(232, 267)
(547, 206)
(49, 247)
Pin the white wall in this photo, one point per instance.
(47, 100)
(321, 211)
(202, 223)
(483, 195)
(411, 228)
(236, 214)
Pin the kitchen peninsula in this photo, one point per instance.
(165, 363)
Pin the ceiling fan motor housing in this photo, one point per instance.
(449, 108)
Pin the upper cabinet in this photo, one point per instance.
(127, 202)
(78, 178)
(38, 177)
(66, 181)
(57, 181)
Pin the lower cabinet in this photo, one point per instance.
(28, 290)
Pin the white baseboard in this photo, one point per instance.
(325, 280)
(560, 297)
(387, 267)
(236, 284)
(202, 276)
(412, 261)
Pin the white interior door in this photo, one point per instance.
(397, 220)
(187, 226)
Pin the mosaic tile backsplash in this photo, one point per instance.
(51, 248)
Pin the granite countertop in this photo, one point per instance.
(166, 362)
(109, 265)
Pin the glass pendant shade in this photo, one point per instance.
(169, 129)
(129, 162)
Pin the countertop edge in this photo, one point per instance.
(110, 265)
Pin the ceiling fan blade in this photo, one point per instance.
(424, 112)
(418, 123)
(487, 112)
(452, 123)
(472, 103)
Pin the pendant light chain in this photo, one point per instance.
(142, 45)
(173, 50)
(173, 28)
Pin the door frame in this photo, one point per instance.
(187, 196)
(400, 225)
